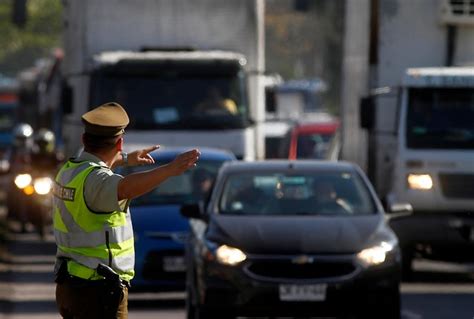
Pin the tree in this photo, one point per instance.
(19, 48)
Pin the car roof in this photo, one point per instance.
(207, 153)
(297, 165)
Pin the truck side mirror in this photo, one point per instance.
(367, 112)
(66, 98)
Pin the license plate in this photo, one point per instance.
(303, 292)
(174, 264)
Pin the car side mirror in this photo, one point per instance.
(399, 210)
(193, 211)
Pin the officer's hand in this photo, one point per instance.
(142, 157)
(184, 161)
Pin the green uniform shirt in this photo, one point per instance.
(100, 190)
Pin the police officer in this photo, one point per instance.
(91, 218)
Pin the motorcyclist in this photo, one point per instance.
(20, 163)
(44, 157)
(45, 161)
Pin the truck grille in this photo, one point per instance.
(289, 270)
(459, 186)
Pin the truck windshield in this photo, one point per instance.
(185, 102)
(440, 118)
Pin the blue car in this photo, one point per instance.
(160, 230)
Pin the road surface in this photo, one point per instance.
(439, 291)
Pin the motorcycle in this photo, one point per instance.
(37, 189)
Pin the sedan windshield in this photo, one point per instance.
(312, 193)
(440, 119)
(313, 146)
(190, 187)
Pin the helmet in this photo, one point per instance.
(45, 140)
(23, 130)
(22, 133)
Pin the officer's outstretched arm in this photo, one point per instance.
(137, 184)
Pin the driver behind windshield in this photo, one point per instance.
(326, 198)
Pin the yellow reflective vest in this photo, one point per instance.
(86, 238)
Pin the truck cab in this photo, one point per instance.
(178, 98)
(434, 164)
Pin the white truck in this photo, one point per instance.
(432, 156)
(162, 60)
(421, 129)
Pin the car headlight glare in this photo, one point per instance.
(375, 255)
(22, 180)
(420, 181)
(43, 185)
(229, 255)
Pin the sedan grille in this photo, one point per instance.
(289, 270)
(459, 186)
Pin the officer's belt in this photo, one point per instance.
(85, 282)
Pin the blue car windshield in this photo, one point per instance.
(318, 193)
(192, 186)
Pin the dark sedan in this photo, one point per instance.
(292, 238)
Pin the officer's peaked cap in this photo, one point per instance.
(109, 119)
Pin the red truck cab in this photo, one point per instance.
(312, 140)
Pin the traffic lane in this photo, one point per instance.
(156, 305)
(438, 302)
(439, 290)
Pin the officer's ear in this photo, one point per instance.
(119, 144)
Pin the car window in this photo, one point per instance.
(192, 186)
(327, 193)
(313, 145)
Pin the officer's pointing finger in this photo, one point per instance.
(151, 148)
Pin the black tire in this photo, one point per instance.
(407, 264)
(191, 309)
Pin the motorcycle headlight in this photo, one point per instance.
(22, 180)
(420, 181)
(43, 185)
(229, 255)
(375, 255)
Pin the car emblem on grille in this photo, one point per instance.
(303, 259)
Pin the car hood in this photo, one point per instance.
(165, 218)
(297, 234)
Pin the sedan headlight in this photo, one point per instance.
(22, 180)
(420, 181)
(43, 185)
(375, 255)
(229, 255)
